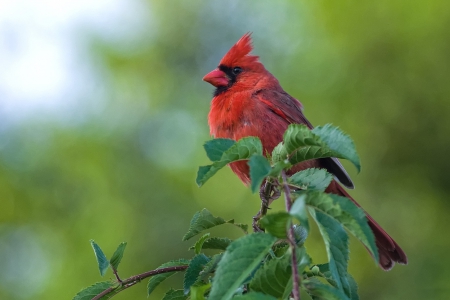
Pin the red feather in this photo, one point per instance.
(249, 101)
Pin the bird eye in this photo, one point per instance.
(237, 70)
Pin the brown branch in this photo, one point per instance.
(129, 282)
(291, 239)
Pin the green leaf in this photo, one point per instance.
(279, 166)
(92, 291)
(243, 227)
(276, 224)
(198, 292)
(202, 220)
(254, 296)
(318, 290)
(259, 169)
(311, 179)
(300, 144)
(117, 256)
(338, 142)
(241, 258)
(175, 295)
(209, 268)
(348, 214)
(273, 276)
(216, 147)
(279, 153)
(353, 287)
(157, 279)
(199, 244)
(192, 273)
(241, 150)
(298, 210)
(215, 243)
(102, 261)
(336, 241)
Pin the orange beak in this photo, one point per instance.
(216, 78)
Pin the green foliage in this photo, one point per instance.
(262, 265)
(203, 220)
(300, 144)
(348, 214)
(336, 241)
(157, 279)
(199, 244)
(240, 259)
(259, 169)
(311, 179)
(273, 277)
(102, 261)
(175, 295)
(117, 256)
(193, 271)
(276, 223)
(241, 150)
(93, 290)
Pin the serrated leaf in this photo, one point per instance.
(175, 295)
(318, 290)
(239, 260)
(338, 142)
(298, 211)
(202, 220)
(102, 261)
(209, 268)
(259, 169)
(216, 147)
(353, 287)
(273, 276)
(279, 153)
(199, 244)
(336, 242)
(241, 150)
(117, 256)
(93, 290)
(311, 179)
(254, 296)
(192, 273)
(276, 224)
(300, 144)
(155, 280)
(243, 227)
(348, 214)
(216, 243)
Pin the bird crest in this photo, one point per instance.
(239, 53)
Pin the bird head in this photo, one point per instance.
(237, 67)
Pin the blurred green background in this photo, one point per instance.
(103, 114)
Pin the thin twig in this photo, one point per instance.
(291, 238)
(117, 275)
(137, 278)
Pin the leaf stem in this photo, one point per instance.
(291, 238)
(129, 282)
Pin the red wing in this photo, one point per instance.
(290, 109)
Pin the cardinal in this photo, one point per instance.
(249, 101)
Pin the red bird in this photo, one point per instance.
(249, 101)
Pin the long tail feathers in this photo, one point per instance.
(389, 251)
